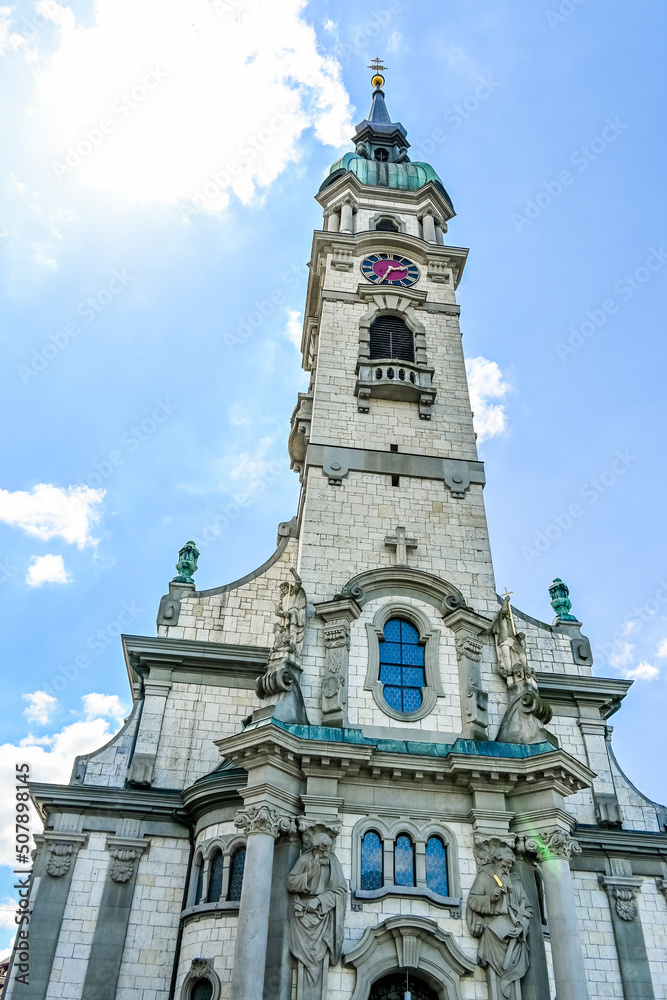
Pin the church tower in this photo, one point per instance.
(357, 773)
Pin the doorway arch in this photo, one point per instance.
(394, 986)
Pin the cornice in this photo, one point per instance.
(148, 804)
(600, 840)
(605, 693)
(188, 657)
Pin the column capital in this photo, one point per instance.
(558, 844)
(262, 819)
(125, 852)
(622, 891)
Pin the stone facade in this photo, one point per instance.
(163, 869)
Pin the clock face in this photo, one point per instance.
(389, 269)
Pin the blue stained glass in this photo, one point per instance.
(200, 882)
(215, 878)
(409, 633)
(401, 666)
(392, 630)
(413, 677)
(390, 652)
(413, 655)
(394, 698)
(436, 866)
(371, 862)
(404, 861)
(236, 874)
(412, 699)
(390, 674)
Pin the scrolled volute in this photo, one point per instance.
(548, 846)
(262, 819)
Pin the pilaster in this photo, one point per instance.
(623, 889)
(337, 616)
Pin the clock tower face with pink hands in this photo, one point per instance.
(389, 269)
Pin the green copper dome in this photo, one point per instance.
(405, 176)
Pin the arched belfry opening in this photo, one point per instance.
(397, 984)
(391, 338)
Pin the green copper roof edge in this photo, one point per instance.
(473, 748)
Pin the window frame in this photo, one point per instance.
(388, 832)
(429, 637)
(205, 851)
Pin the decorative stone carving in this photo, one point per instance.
(297, 443)
(527, 713)
(319, 895)
(338, 615)
(59, 860)
(558, 844)
(498, 914)
(200, 968)
(661, 884)
(283, 672)
(475, 698)
(622, 891)
(122, 866)
(262, 819)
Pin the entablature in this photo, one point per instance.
(192, 661)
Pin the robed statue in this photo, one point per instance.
(319, 894)
(498, 914)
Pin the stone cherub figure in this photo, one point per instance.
(319, 894)
(498, 914)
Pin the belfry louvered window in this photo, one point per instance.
(386, 226)
(391, 338)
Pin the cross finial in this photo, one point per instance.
(378, 68)
(401, 543)
(507, 595)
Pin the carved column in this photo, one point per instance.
(623, 889)
(333, 222)
(428, 223)
(262, 827)
(554, 851)
(337, 616)
(346, 217)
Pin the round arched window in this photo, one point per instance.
(202, 990)
(402, 666)
(236, 870)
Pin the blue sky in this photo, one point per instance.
(134, 362)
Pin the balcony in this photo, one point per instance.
(385, 378)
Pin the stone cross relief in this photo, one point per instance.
(402, 544)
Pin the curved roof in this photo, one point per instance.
(405, 176)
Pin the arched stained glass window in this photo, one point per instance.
(402, 666)
(372, 875)
(391, 338)
(436, 866)
(404, 861)
(236, 874)
(215, 878)
(202, 990)
(200, 881)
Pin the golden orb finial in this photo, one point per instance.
(377, 79)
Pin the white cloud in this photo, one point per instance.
(50, 511)
(629, 627)
(8, 908)
(41, 707)
(188, 88)
(294, 326)
(106, 705)
(47, 569)
(643, 672)
(623, 657)
(51, 759)
(485, 383)
(662, 649)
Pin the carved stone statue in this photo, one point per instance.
(280, 682)
(527, 713)
(291, 614)
(319, 893)
(498, 915)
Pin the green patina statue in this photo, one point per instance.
(560, 600)
(187, 563)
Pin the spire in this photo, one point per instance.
(378, 128)
(378, 114)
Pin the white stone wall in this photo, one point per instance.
(639, 812)
(212, 937)
(597, 936)
(148, 954)
(652, 906)
(108, 765)
(78, 926)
